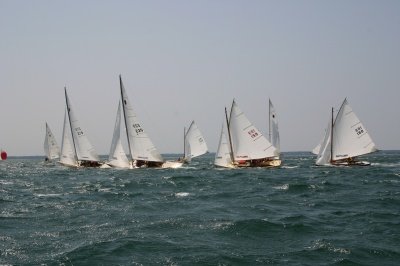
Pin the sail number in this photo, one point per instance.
(253, 133)
(359, 131)
(137, 128)
(79, 131)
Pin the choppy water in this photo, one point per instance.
(295, 215)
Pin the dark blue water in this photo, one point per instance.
(295, 215)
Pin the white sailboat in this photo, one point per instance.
(274, 129)
(81, 152)
(142, 151)
(194, 143)
(51, 148)
(345, 139)
(223, 155)
(248, 146)
(117, 157)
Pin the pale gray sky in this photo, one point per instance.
(184, 60)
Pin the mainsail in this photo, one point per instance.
(195, 144)
(117, 156)
(51, 148)
(84, 149)
(273, 128)
(68, 156)
(345, 137)
(223, 155)
(350, 138)
(140, 145)
(248, 142)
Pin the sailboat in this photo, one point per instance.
(51, 148)
(248, 147)
(142, 151)
(117, 157)
(345, 139)
(194, 144)
(223, 155)
(76, 150)
(274, 130)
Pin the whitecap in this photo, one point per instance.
(182, 194)
(283, 187)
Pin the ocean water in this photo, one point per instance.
(298, 214)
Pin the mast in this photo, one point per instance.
(123, 109)
(70, 125)
(269, 120)
(229, 132)
(332, 137)
(184, 143)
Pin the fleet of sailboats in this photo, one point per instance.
(240, 144)
(345, 139)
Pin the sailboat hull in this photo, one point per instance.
(354, 163)
(260, 163)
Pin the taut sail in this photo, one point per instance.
(248, 142)
(51, 148)
(117, 156)
(83, 148)
(140, 145)
(195, 144)
(68, 155)
(273, 128)
(223, 155)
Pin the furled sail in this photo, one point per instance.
(51, 148)
(195, 145)
(140, 145)
(247, 141)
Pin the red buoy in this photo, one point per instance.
(3, 155)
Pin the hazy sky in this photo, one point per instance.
(185, 60)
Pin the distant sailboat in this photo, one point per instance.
(248, 147)
(274, 130)
(142, 151)
(345, 139)
(194, 143)
(117, 156)
(51, 148)
(76, 149)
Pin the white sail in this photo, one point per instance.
(51, 148)
(350, 137)
(140, 145)
(324, 151)
(247, 141)
(84, 149)
(67, 147)
(223, 155)
(117, 156)
(195, 145)
(273, 128)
